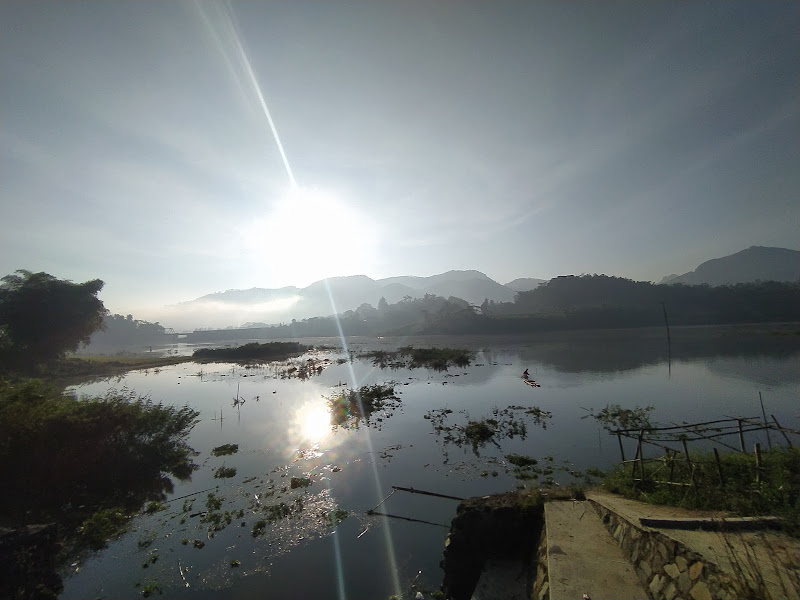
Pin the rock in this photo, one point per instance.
(700, 591)
(662, 550)
(695, 570)
(655, 585)
(672, 570)
(645, 567)
(670, 592)
(545, 591)
(681, 562)
(684, 583)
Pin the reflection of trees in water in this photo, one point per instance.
(768, 371)
(614, 353)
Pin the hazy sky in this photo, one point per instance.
(522, 139)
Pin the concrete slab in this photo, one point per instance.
(503, 580)
(633, 510)
(583, 558)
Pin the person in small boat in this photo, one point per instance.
(525, 374)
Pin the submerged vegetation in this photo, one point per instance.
(253, 351)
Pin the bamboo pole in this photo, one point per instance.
(719, 468)
(758, 462)
(688, 461)
(413, 491)
(766, 424)
(641, 454)
(741, 434)
(727, 420)
(622, 451)
(671, 454)
(783, 433)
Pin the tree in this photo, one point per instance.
(42, 318)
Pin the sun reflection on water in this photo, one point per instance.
(312, 422)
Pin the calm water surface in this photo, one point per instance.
(284, 430)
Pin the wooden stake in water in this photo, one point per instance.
(758, 462)
(719, 467)
(783, 433)
(766, 424)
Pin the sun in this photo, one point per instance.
(309, 234)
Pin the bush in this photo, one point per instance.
(117, 450)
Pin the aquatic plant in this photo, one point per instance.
(613, 416)
(253, 351)
(349, 407)
(225, 450)
(225, 472)
(437, 358)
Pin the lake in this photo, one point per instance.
(317, 540)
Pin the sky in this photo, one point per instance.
(175, 149)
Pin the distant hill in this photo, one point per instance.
(754, 264)
(330, 296)
(525, 284)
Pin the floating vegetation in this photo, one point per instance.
(439, 359)
(103, 525)
(253, 351)
(297, 482)
(150, 589)
(225, 472)
(154, 507)
(519, 460)
(146, 540)
(259, 527)
(213, 502)
(613, 416)
(225, 450)
(503, 424)
(335, 517)
(480, 432)
(217, 521)
(351, 406)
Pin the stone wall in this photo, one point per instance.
(667, 569)
(541, 583)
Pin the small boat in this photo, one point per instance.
(530, 382)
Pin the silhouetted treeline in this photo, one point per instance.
(599, 301)
(366, 320)
(124, 330)
(565, 303)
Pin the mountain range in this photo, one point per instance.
(753, 264)
(260, 306)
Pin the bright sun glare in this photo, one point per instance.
(313, 422)
(310, 234)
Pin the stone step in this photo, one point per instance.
(583, 558)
